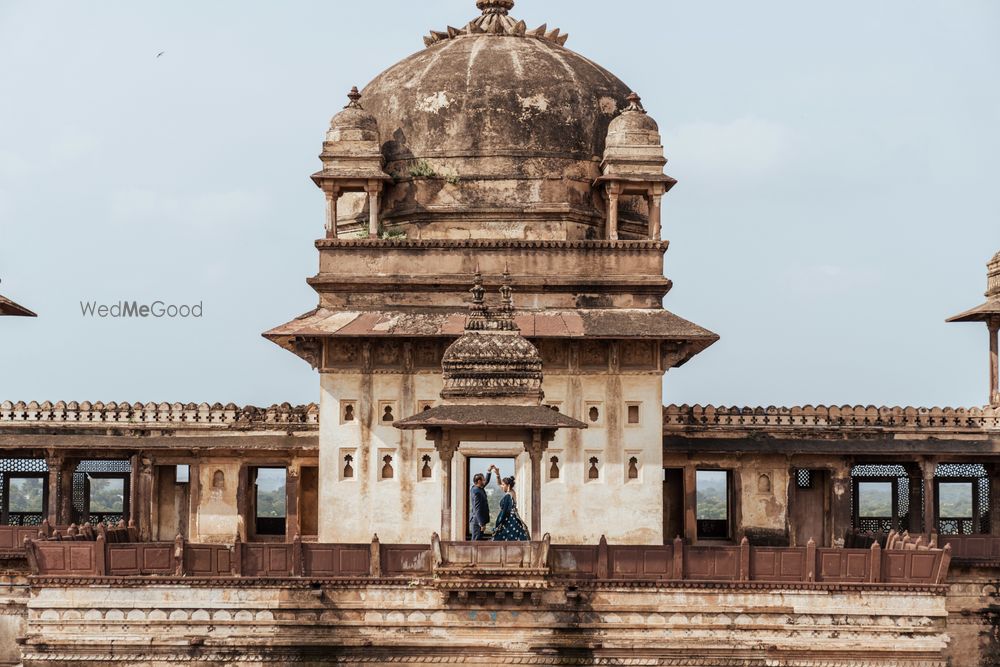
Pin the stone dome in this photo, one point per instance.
(353, 123)
(633, 121)
(496, 127)
(492, 360)
(993, 278)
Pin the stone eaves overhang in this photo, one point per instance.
(577, 324)
(855, 431)
(8, 307)
(981, 313)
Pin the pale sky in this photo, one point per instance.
(838, 193)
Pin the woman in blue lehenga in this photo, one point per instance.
(508, 526)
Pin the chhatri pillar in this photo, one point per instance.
(633, 165)
(492, 392)
(989, 313)
(352, 162)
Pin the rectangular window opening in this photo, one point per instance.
(269, 501)
(712, 500)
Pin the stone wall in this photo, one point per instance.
(416, 623)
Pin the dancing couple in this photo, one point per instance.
(508, 527)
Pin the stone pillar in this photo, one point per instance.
(55, 466)
(927, 467)
(655, 226)
(994, 327)
(373, 191)
(446, 453)
(614, 190)
(65, 515)
(292, 526)
(535, 449)
(142, 509)
(914, 477)
(690, 504)
(840, 504)
(993, 469)
(332, 195)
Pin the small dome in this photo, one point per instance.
(633, 119)
(492, 360)
(993, 278)
(353, 123)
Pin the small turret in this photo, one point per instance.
(633, 165)
(352, 161)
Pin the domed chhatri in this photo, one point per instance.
(492, 361)
(352, 162)
(474, 127)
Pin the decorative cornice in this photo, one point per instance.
(158, 414)
(683, 417)
(497, 244)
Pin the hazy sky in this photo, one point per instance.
(838, 193)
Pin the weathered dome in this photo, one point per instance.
(492, 360)
(993, 278)
(354, 123)
(477, 125)
(633, 124)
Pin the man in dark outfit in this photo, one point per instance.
(479, 508)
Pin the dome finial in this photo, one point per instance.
(506, 294)
(634, 103)
(477, 309)
(355, 98)
(495, 6)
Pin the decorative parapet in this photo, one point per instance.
(158, 414)
(685, 417)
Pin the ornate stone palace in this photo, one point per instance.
(490, 292)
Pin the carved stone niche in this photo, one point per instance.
(594, 355)
(343, 354)
(388, 354)
(555, 354)
(427, 354)
(636, 354)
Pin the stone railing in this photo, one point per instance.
(864, 417)
(455, 566)
(159, 414)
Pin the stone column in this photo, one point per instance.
(142, 509)
(373, 189)
(55, 465)
(927, 467)
(993, 469)
(690, 504)
(655, 227)
(914, 478)
(840, 504)
(535, 449)
(332, 195)
(994, 327)
(446, 453)
(614, 190)
(66, 493)
(292, 526)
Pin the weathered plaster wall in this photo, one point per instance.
(14, 594)
(217, 518)
(407, 507)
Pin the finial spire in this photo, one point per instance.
(495, 6)
(634, 103)
(477, 310)
(506, 295)
(355, 98)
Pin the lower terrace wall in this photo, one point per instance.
(321, 622)
(14, 594)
